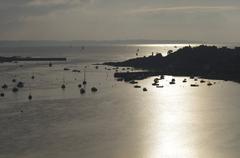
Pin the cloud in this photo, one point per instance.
(46, 3)
(13, 11)
(154, 10)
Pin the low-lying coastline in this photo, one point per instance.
(203, 61)
(15, 59)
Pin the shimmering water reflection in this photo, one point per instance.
(177, 121)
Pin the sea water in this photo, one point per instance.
(118, 120)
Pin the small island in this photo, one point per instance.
(208, 62)
(16, 59)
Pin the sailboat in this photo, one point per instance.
(63, 85)
(84, 78)
(30, 92)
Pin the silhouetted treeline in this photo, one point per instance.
(203, 61)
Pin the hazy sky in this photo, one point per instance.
(204, 20)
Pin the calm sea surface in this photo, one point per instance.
(118, 121)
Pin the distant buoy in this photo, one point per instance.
(63, 86)
(79, 86)
(2, 94)
(30, 97)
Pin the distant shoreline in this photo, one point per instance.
(15, 59)
(203, 61)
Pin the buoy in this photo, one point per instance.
(30, 97)
(2, 94)
(63, 86)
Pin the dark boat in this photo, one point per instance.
(137, 86)
(20, 84)
(156, 80)
(133, 82)
(4, 86)
(84, 78)
(185, 80)
(172, 82)
(66, 69)
(2, 94)
(144, 89)
(63, 86)
(15, 89)
(202, 81)
(209, 84)
(194, 85)
(82, 91)
(94, 89)
(155, 84)
(30, 97)
(120, 79)
(76, 71)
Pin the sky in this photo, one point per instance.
(198, 20)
